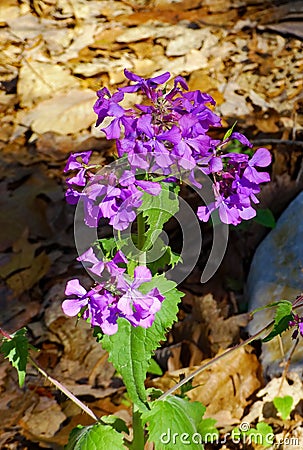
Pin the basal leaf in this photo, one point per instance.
(16, 350)
(173, 423)
(284, 405)
(95, 437)
(262, 435)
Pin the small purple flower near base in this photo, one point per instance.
(298, 323)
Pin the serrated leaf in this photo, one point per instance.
(116, 423)
(107, 246)
(131, 348)
(173, 423)
(157, 210)
(16, 350)
(166, 257)
(154, 368)
(95, 437)
(282, 318)
(127, 352)
(265, 217)
(284, 405)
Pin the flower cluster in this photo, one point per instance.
(170, 131)
(165, 136)
(236, 186)
(118, 296)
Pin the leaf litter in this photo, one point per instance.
(55, 54)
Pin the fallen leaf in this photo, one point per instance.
(40, 80)
(43, 420)
(224, 388)
(64, 113)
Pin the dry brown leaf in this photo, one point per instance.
(277, 387)
(9, 10)
(43, 420)
(22, 257)
(64, 113)
(27, 278)
(39, 81)
(224, 387)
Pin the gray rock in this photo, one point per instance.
(276, 274)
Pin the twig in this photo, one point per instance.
(277, 141)
(65, 391)
(215, 360)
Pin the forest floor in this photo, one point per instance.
(55, 55)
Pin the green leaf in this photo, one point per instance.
(208, 430)
(154, 368)
(262, 434)
(16, 350)
(265, 217)
(173, 423)
(131, 348)
(158, 209)
(95, 437)
(229, 132)
(116, 423)
(107, 246)
(284, 405)
(282, 318)
(167, 256)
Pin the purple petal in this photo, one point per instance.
(204, 212)
(150, 187)
(72, 307)
(88, 256)
(132, 76)
(160, 79)
(262, 158)
(73, 287)
(141, 275)
(251, 174)
(113, 130)
(72, 196)
(79, 179)
(180, 80)
(241, 138)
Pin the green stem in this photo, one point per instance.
(138, 441)
(140, 230)
(216, 359)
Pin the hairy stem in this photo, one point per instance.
(138, 441)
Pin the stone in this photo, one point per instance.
(276, 273)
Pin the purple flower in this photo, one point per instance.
(136, 307)
(74, 164)
(298, 323)
(147, 86)
(100, 305)
(261, 158)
